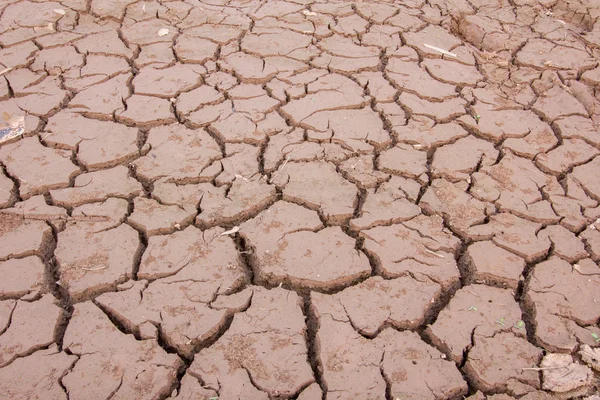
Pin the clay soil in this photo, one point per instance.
(297, 199)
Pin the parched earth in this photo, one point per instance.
(300, 199)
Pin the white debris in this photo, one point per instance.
(233, 230)
(444, 52)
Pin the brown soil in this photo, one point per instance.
(285, 199)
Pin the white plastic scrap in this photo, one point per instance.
(444, 52)
(233, 230)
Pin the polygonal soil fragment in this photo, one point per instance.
(361, 171)
(489, 264)
(354, 129)
(156, 219)
(251, 69)
(570, 154)
(109, 8)
(516, 184)
(177, 153)
(323, 260)
(29, 14)
(291, 146)
(330, 92)
(496, 360)
(355, 367)
(347, 64)
(193, 255)
(555, 102)
(122, 366)
(270, 226)
(159, 54)
(403, 302)
(432, 35)
(378, 87)
(536, 142)
(419, 247)
(496, 125)
(488, 33)
(180, 310)
(146, 32)
(57, 59)
(38, 168)
(113, 144)
(417, 370)
(577, 127)
(403, 160)
(318, 186)
(241, 162)
(35, 93)
(562, 375)
(566, 244)
(460, 208)
(559, 292)
(219, 33)
(222, 206)
(31, 328)
(22, 277)
(194, 99)
(277, 42)
(167, 82)
(22, 238)
(98, 68)
(179, 195)
(98, 186)
(93, 258)
(439, 111)
(103, 43)
(389, 204)
(586, 175)
(514, 234)
(222, 111)
(539, 53)
(67, 130)
(350, 362)
(36, 376)
(591, 237)
(103, 99)
(110, 212)
(452, 72)
(475, 310)
(146, 111)
(409, 76)
(250, 126)
(193, 50)
(422, 134)
(252, 101)
(264, 345)
(474, 153)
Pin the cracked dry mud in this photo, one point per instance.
(244, 199)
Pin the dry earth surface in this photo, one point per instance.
(300, 199)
